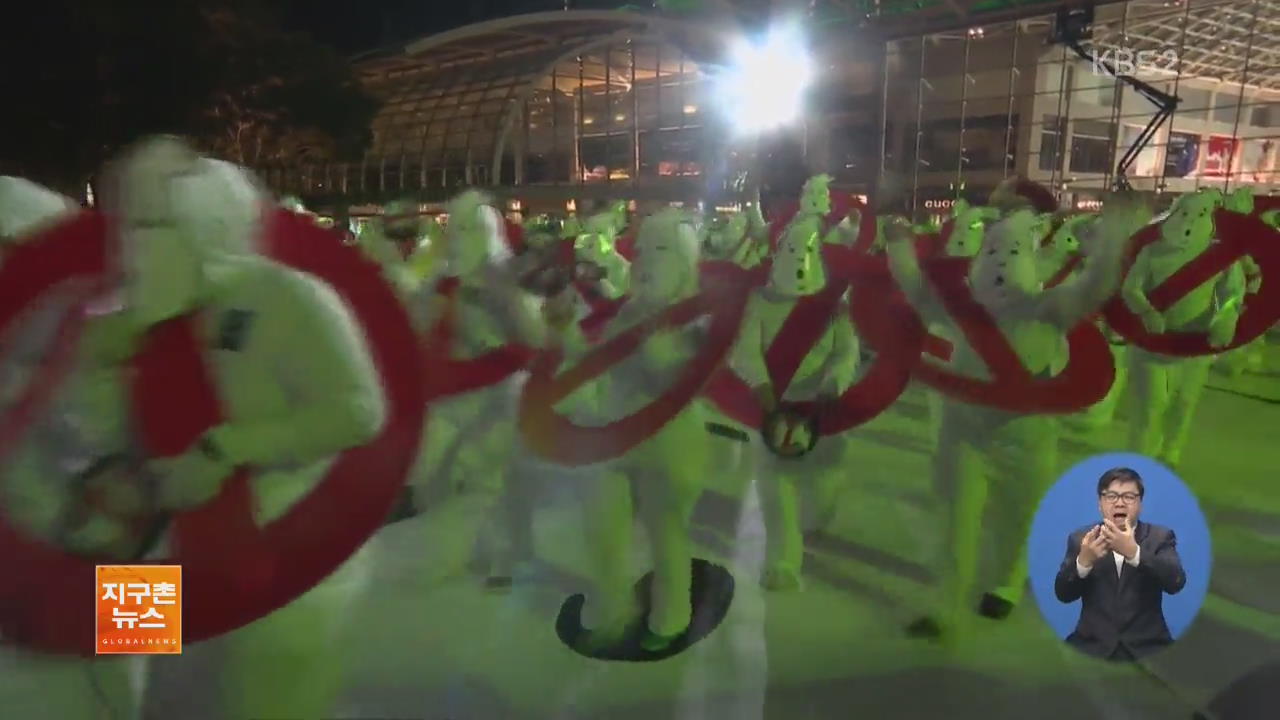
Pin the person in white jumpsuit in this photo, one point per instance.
(1062, 247)
(404, 243)
(741, 238)
(1003, 279)
(1252, 356)
(26, 208)
(35, 684)
(969, 225)
(824, 374)
(665, 473)
(297, 386)
(596, 244)
(461, 475)
(1166, 389)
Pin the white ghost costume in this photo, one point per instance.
(1023, 448)
(400, 242)
(1166, 389)
(825, 373)
(26, 208)
(1062, 247)
(741, 238)
(461, 474)
(36, 684)
(1252, 356)
(969, 225)
(597, 244)
(665, 473)
(297, 386)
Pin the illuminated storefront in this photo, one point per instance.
(972, 105)
(545, 108)
(583, 106)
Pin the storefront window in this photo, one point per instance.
(1091, 147)
(1182, 155)
(670, 153)
(1051, 133)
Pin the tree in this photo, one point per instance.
(278, 97)
(220, 72)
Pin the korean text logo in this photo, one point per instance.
(138, 610)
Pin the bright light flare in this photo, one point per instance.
(764, 84)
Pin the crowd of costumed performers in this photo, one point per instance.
(196, 373)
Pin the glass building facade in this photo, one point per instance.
(968, 107)
(573, 107)
(551, 107)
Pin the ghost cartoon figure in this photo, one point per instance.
(26, 209)
(824, 374)
(399, 241)
(721, 235)
(1059, 250)
(1023, 448)
(815, 205)
(597, 254)
(1251, 356)
(664, 474)
(970, 223)
(90, 420)
(1062, 245)
(968, 228)
(459, 480)
(1166, 389)
(296, 384)
(741, 238)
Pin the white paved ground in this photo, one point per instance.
(836, 650)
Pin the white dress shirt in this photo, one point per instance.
(1083, 571)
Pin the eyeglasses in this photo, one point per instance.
(1128, 497)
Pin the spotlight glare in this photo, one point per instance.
(764, 85)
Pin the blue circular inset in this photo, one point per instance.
(1072, 503)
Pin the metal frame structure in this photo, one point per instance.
(462, 108)
(970, 93)
(1220, 63)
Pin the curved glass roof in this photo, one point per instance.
(479, 104)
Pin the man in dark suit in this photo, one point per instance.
(1121, 569)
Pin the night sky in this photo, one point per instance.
(353, 26)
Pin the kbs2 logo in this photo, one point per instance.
(1127, 61)
(139, 610)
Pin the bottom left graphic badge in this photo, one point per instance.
(138, 610)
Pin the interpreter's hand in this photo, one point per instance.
(1120, 538)
(1092, 547)
(188, 480)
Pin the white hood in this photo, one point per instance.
(26, 207)
(667, 253)
(1005, 271)
(475, 235)
(180, 217)
(797, 263)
